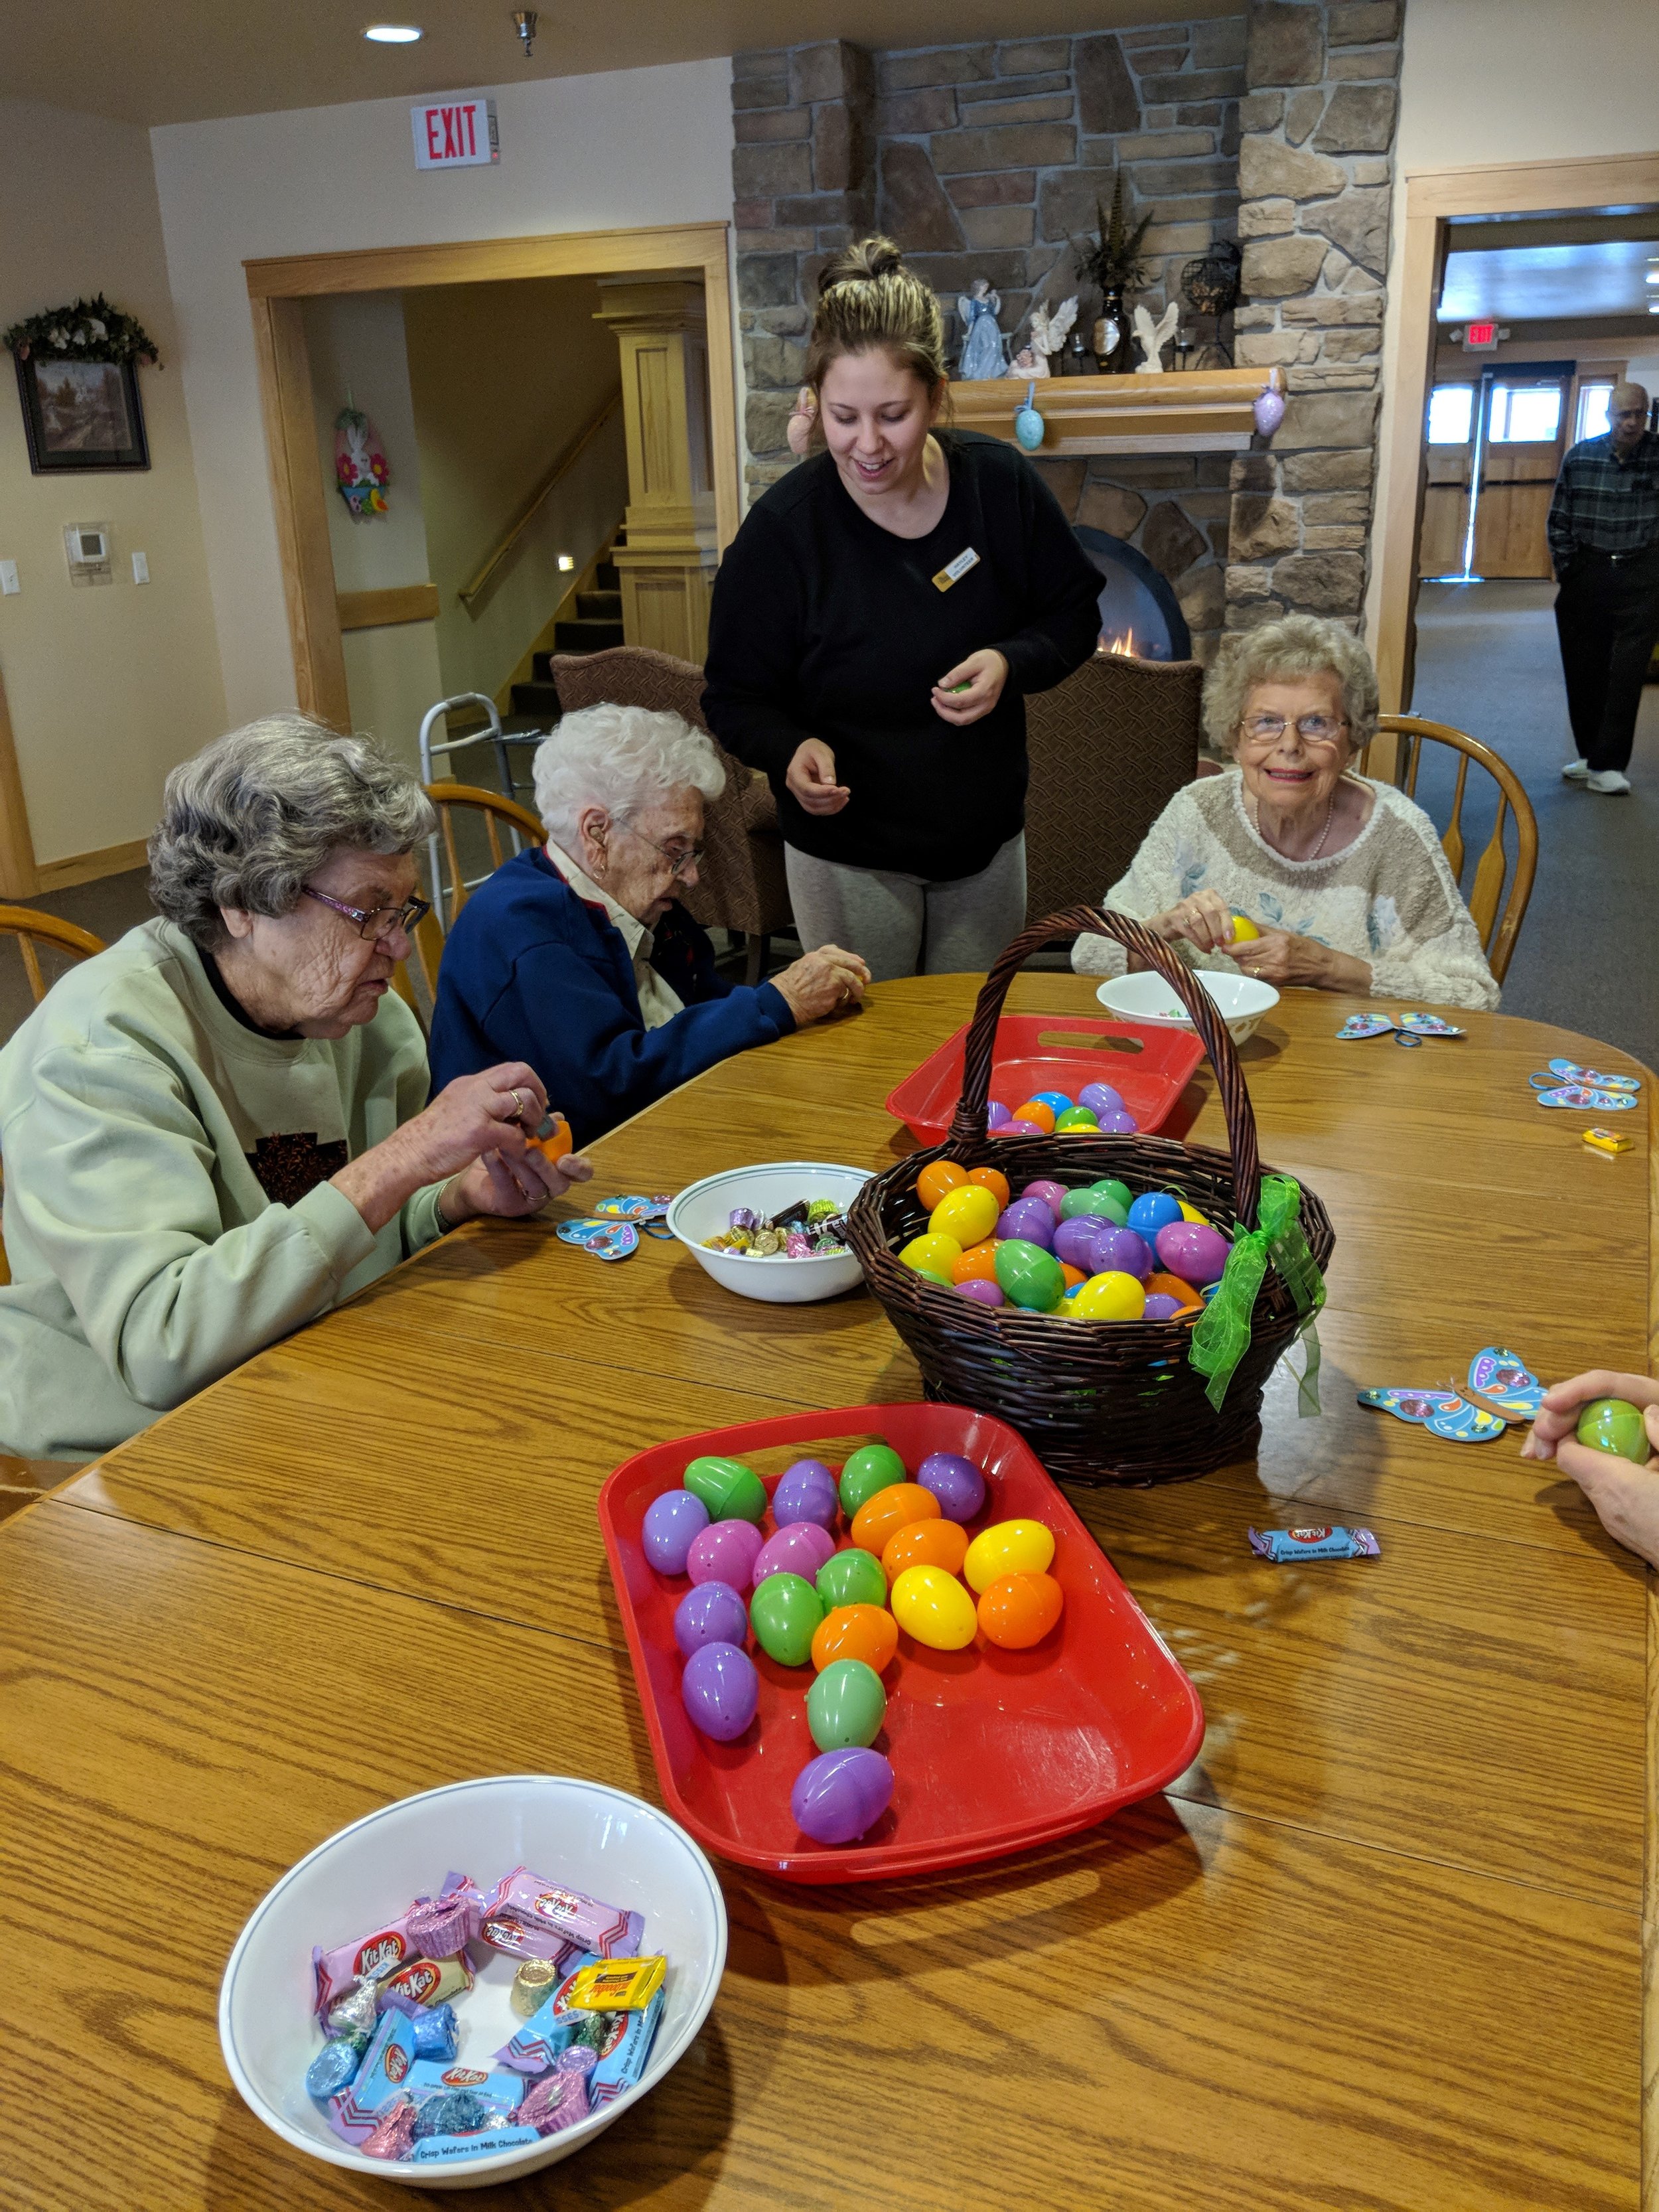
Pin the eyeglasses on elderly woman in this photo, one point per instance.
(1314, 729)
(378, 922)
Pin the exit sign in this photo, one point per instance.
(1480, 338)
(455, 134)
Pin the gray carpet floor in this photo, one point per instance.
(1488, 663)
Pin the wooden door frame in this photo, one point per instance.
(277, 291)
(1432, 197)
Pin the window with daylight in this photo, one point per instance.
(1525, 414)
(1451, 413)
(1593, 409)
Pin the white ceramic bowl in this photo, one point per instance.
(599, 1840)
(1145, 997)
(704, 1210)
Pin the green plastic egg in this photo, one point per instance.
(731, 1491)
(783, 1613)
(1075, 1117)
(870, 1468)
(846, 1705)
(1029, 1276)
(854, 1578)
(1613, 1424)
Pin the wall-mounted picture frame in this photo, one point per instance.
(82, 416)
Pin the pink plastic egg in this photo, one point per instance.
(1017, 1128)
(981, 1291)
(801, 1548)
(725, 1552)
(1193, 1250)
(1052, 1194)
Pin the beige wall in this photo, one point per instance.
(108, 687)
(503, 378)
(1514, 81)
(357, 348)
(614, 150)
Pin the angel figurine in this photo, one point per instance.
(981, 342)
(1152, 337)
(1049, 330)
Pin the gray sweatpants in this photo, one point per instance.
(905, 925)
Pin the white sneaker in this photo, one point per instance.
(1607, 780)
(1575, 771)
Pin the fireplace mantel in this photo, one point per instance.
(1202, 411)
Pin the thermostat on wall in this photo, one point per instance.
(87, 544)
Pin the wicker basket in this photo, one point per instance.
(1100, 1401)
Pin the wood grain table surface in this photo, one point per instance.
(1380, 1946)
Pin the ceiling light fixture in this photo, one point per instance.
(524, 21)
(393, 34)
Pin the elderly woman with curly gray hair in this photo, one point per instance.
(218, 1128)
(1342, 880)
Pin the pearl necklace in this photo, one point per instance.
(1330, 816)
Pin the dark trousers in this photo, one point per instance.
(1607, 615)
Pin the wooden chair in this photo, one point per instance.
(23, 923)
(1498, 918)
(448, 885)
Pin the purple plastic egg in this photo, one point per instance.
(1121, 1251)
(1193, 1250)
(1052, 1194)
(1028, 1218)
(841, 1795)
(997, 1116)
(981, 1291)
(955, 1481)
(805, 1491)
(1018, 1127)
(709, 1612)
(1118, 1124)
(721, 1689)
(1074, 1238)
(671, 1523)
(725, 1552)
(1161, 1307)
(1100, 1098)
(799, 1548)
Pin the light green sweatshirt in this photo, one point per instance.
(168, 1206)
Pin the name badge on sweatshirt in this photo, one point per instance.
(954, 570)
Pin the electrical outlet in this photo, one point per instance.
(141, 567)
(9, 583)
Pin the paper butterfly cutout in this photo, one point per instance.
(605, 1240)
(1429, 1025)
(1505, 1383)
(1365, 1025)
(1568, 1070)
(1583, 1100)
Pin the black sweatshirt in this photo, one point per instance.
(825, 625)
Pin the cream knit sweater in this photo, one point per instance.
(1387, 899)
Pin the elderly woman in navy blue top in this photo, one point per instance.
(876, 625)
(579, 951)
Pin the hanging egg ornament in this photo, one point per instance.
(1268, 411)
(1028, 423)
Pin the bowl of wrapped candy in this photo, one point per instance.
(773, 1233)
(473, 1983)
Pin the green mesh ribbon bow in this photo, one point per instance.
(1222, 1333)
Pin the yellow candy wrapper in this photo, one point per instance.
(616, 1985)
(1608, 1140)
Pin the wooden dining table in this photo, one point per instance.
(1381, 1945)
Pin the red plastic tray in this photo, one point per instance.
(1038, 1052)
(993, 1750)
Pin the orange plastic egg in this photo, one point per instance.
(936, 1178)
(925, 1544)
(890, 1510)
(996, 1182)
(1017, 1610)
(978, 1263)
(1171, 1286)
(1034, 1111)
(855, 1631)
(1073, 1275)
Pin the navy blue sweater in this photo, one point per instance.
(532, 972)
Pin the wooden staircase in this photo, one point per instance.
(596, 625)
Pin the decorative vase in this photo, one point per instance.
(1112, 334)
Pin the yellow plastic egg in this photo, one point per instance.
(934, 1607)
(1188, 1212)
(1243, 929)
(1008, 1547)
(1111, 1297)
(969, 1214)
(931, 1256)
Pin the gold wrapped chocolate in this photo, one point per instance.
(534, 1983)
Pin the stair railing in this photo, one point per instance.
(565, 462)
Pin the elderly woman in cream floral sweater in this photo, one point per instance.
(1344, 879)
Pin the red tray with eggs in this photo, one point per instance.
(993, 1750)
(1149, 1068)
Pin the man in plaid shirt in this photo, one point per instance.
(1604, 542)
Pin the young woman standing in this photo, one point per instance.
(877, 622)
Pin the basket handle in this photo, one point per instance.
(969, 1126)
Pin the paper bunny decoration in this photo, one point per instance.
(1152, 337)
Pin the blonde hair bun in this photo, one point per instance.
(863, 263)
(867, 298)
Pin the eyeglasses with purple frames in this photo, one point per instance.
(377, 922)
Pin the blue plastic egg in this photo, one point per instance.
(1152, 1211)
